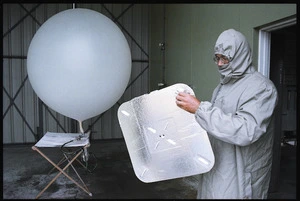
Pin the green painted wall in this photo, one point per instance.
(156, 36)
(191, 31)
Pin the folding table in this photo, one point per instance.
(72, 146)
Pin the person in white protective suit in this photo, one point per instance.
(239, 123)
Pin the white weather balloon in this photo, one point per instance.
(79, 63)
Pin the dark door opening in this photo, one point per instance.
(283, 74)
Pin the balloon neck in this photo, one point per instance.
(80, 126)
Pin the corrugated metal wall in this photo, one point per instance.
(25, 117)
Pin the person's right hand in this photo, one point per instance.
(187, 102)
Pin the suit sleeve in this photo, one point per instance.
(247, 124)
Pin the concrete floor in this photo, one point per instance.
(111, 176)
(25, 175)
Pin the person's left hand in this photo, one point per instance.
(187, 102)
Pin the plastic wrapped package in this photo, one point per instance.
(164, 141)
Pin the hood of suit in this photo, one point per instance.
(234, 46)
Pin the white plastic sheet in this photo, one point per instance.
(51, 139)
(164, 142)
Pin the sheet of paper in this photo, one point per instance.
(164, 141)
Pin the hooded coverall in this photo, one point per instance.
(238, 121)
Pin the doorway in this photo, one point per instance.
(283, 74)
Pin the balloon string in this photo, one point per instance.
(80, 126)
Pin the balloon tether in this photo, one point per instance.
(85, 154)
